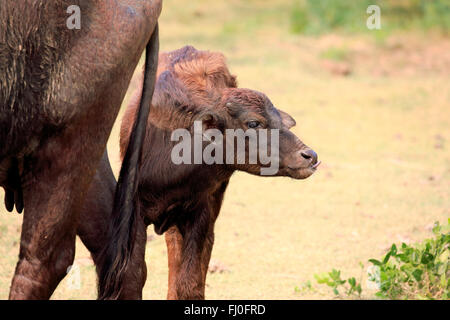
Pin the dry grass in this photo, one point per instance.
(383, 138)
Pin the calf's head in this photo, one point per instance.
(197, 98)
(257, 137)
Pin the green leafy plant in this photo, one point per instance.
(416, 272)
(333, 279)
(419, 271)
(304, 287)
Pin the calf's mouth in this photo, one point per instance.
(302, 172)
(305, 164)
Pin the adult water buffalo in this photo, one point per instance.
(184, 200)
(60, 92)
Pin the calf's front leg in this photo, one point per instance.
(189, 249)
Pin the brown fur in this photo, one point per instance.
(183, 201)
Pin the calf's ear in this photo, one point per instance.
(211, 120)
(286, 119)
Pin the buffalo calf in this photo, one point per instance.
(194, 90)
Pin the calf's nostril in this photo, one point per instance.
(306, 155)
(309, 155)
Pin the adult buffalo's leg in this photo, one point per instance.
(48, 232)
(93, 237)
(97, 209)
(54, 181)
(189, 250)
(93, 229)
(136, 273)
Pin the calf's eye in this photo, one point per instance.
(253, 124)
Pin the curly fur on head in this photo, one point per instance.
(189, 83)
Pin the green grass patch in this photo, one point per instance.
(322, 16)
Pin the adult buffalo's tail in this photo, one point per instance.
(117, 253)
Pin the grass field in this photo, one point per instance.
(378, 115)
